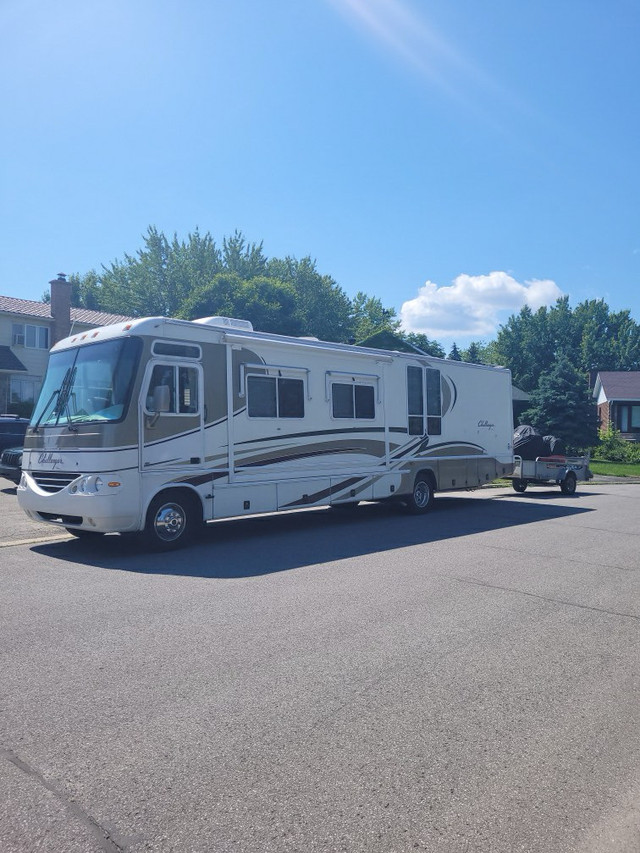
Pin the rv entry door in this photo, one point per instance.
(171, 416)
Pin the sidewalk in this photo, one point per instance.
(609, 480)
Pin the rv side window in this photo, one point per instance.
(419, 380)
(181, 394)
(275, 397)
(434, 402)
(350, 400)
(415, 400)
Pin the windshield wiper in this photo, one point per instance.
(62, 393)
(44, 411)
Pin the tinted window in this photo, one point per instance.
(353, 401)
(290, 398)
(275, 397)
(365, 402)
(342, 398)
(261, 397)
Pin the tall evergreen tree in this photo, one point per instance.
(562, 405)
(473, 354)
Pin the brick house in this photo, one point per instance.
(617, 393)
(28, 330)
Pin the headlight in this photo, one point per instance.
(87, 485)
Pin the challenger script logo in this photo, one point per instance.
(49, 459)
(485, 425)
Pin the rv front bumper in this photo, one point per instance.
(102, 503)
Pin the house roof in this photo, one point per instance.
(9, 360)
(42, 310)
(618, 384)
(385, 339)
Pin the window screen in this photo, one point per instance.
(415, 400)
(275, 397)
(353, 401)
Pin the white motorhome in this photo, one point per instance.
(158, 425)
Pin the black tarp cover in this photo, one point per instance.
(529, 444)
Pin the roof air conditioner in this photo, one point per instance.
(226, 323)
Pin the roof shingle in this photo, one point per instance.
(620, 384)
(30, 308)
(9, 360)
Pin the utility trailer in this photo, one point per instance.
(564, 471)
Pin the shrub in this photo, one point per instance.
(613, 448)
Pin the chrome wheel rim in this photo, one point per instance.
(170, 522)
(421, 494)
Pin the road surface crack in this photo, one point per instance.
(102, 835)
(551, 599)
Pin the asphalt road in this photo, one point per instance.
(466, 681)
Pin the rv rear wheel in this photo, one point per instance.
(421, 498)
(172, 521)
(519, 485)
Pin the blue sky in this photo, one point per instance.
(456, 159)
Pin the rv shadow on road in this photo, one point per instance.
(249, 547)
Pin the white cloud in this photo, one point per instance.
(474, 305)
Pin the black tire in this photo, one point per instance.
(422, 496)
(173, 518)
(569, 484)
(519, 485)
(83, 534)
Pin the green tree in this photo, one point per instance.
(420, 340)
(473, 353)
(267, 302)
(245, 259)
(454, 354)
(368, 316)
(562, 405)
(590, 336)
(322, 307)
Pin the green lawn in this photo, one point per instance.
(615, 469)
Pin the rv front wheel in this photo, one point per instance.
(172, 520)
(421, 498)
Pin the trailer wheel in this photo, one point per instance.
(421, 498)
(172, 520)
(568, 485)
(519, 485)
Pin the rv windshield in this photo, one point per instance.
(88, 383)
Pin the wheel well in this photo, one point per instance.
(179, 492)
(429, 476)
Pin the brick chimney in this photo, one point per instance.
(60, 307)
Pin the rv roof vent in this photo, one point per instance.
(226, 323)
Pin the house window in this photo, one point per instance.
(26, 335)
(629, 418)
(351, 400)
(275, 397)
(23, 389)
(421, 384)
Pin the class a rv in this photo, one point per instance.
(158, 425)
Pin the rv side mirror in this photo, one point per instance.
(161, 398)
